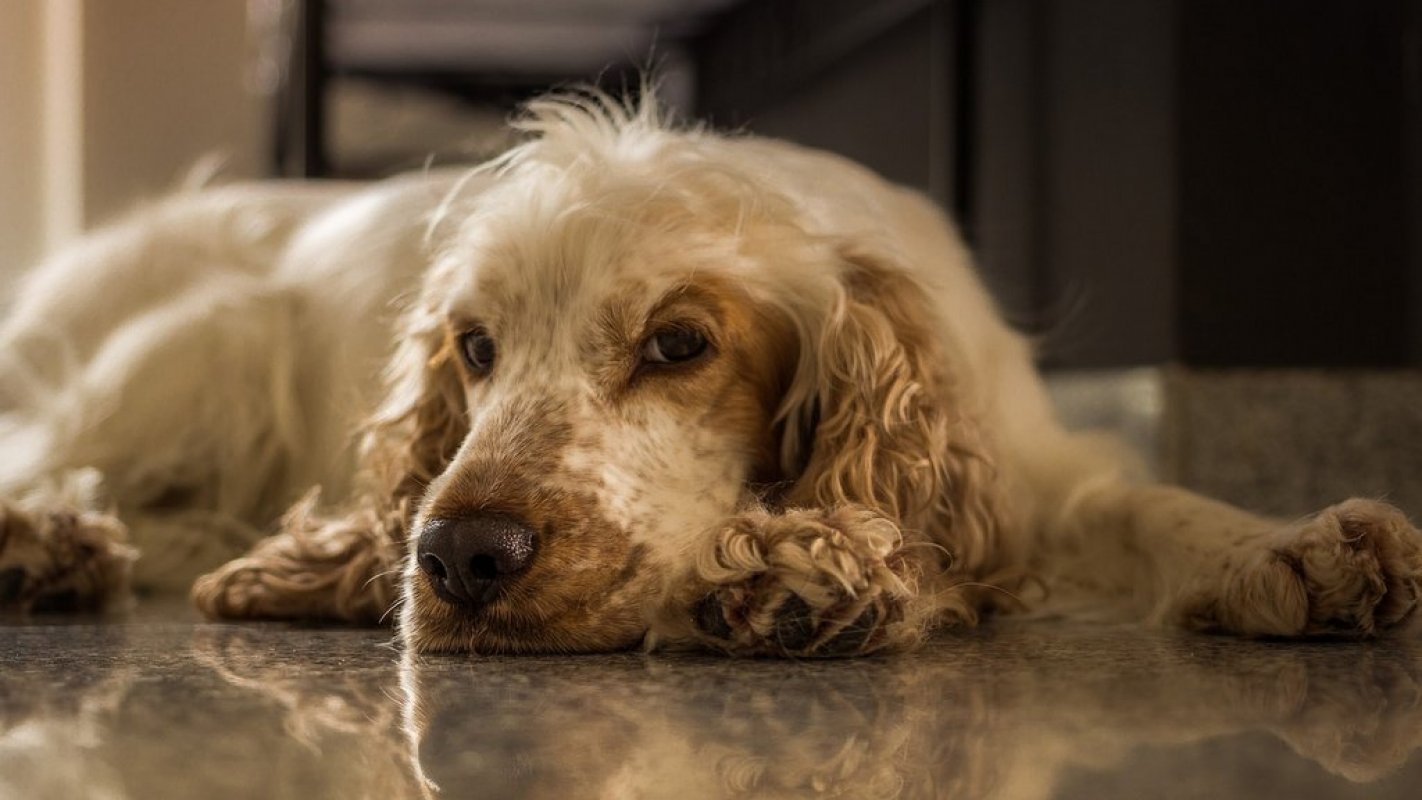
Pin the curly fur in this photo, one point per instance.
(863, 451)
(894, 432)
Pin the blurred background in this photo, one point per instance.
(1229, 187)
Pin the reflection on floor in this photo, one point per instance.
(161, 705)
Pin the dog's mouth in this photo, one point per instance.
(519, 620)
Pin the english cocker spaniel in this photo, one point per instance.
(644, 385)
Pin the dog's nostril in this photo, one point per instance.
(433, 567)
(484, 568)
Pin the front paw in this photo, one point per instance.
(57, 561)
(803, 583)
(317, 568)
(1352, 569)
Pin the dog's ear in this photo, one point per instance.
(875, 419)
(418, 430)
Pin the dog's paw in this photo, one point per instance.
(1354, 569)
(61, 560)
(803, 583)
(1361, 565)
(245, 588)
(316, 569)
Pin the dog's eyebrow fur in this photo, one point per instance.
(627, 322)
(689, 293)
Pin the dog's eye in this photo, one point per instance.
(673, 346)
(477, 347)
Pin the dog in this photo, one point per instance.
(643, 384)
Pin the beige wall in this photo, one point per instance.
(106, 102)
(165, 83)
(21, 220)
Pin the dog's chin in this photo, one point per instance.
(431, 625)
(484, 641)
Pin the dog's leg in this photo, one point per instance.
(62, 548)
(1105, 542)
(340, 568)
(1352, 569)
(806, 582)
(59, 553)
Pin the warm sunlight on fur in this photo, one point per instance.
(646, 384)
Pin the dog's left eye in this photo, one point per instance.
(673, 346)
(477, 348)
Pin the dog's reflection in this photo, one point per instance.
(223, 714)
(340, 716)
(1007, 715)
(1008, 712)
(635, 728)
(56, 723)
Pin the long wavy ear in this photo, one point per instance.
(878, 419)
(344, 565)
(415, 434)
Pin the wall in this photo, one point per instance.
(21, 221)
(165, 83)
(106, 102)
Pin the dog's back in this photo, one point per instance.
(240, 327)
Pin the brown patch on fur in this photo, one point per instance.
(754, 346)
(763, 364)
(521, 446)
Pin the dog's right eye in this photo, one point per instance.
(477, 348)
(673, 345)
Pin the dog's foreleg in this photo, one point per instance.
(1176, 557)
(805, 582)
(341, 567)
(60, 552)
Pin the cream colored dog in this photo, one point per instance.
(643, 384)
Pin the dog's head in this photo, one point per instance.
(627, 334)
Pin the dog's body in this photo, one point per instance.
(670, 385)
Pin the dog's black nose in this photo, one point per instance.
(465, 558)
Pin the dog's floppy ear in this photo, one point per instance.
(416, 433)
(874, 419)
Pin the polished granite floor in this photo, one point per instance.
(159, 704)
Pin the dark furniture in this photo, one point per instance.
(1213, 182)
